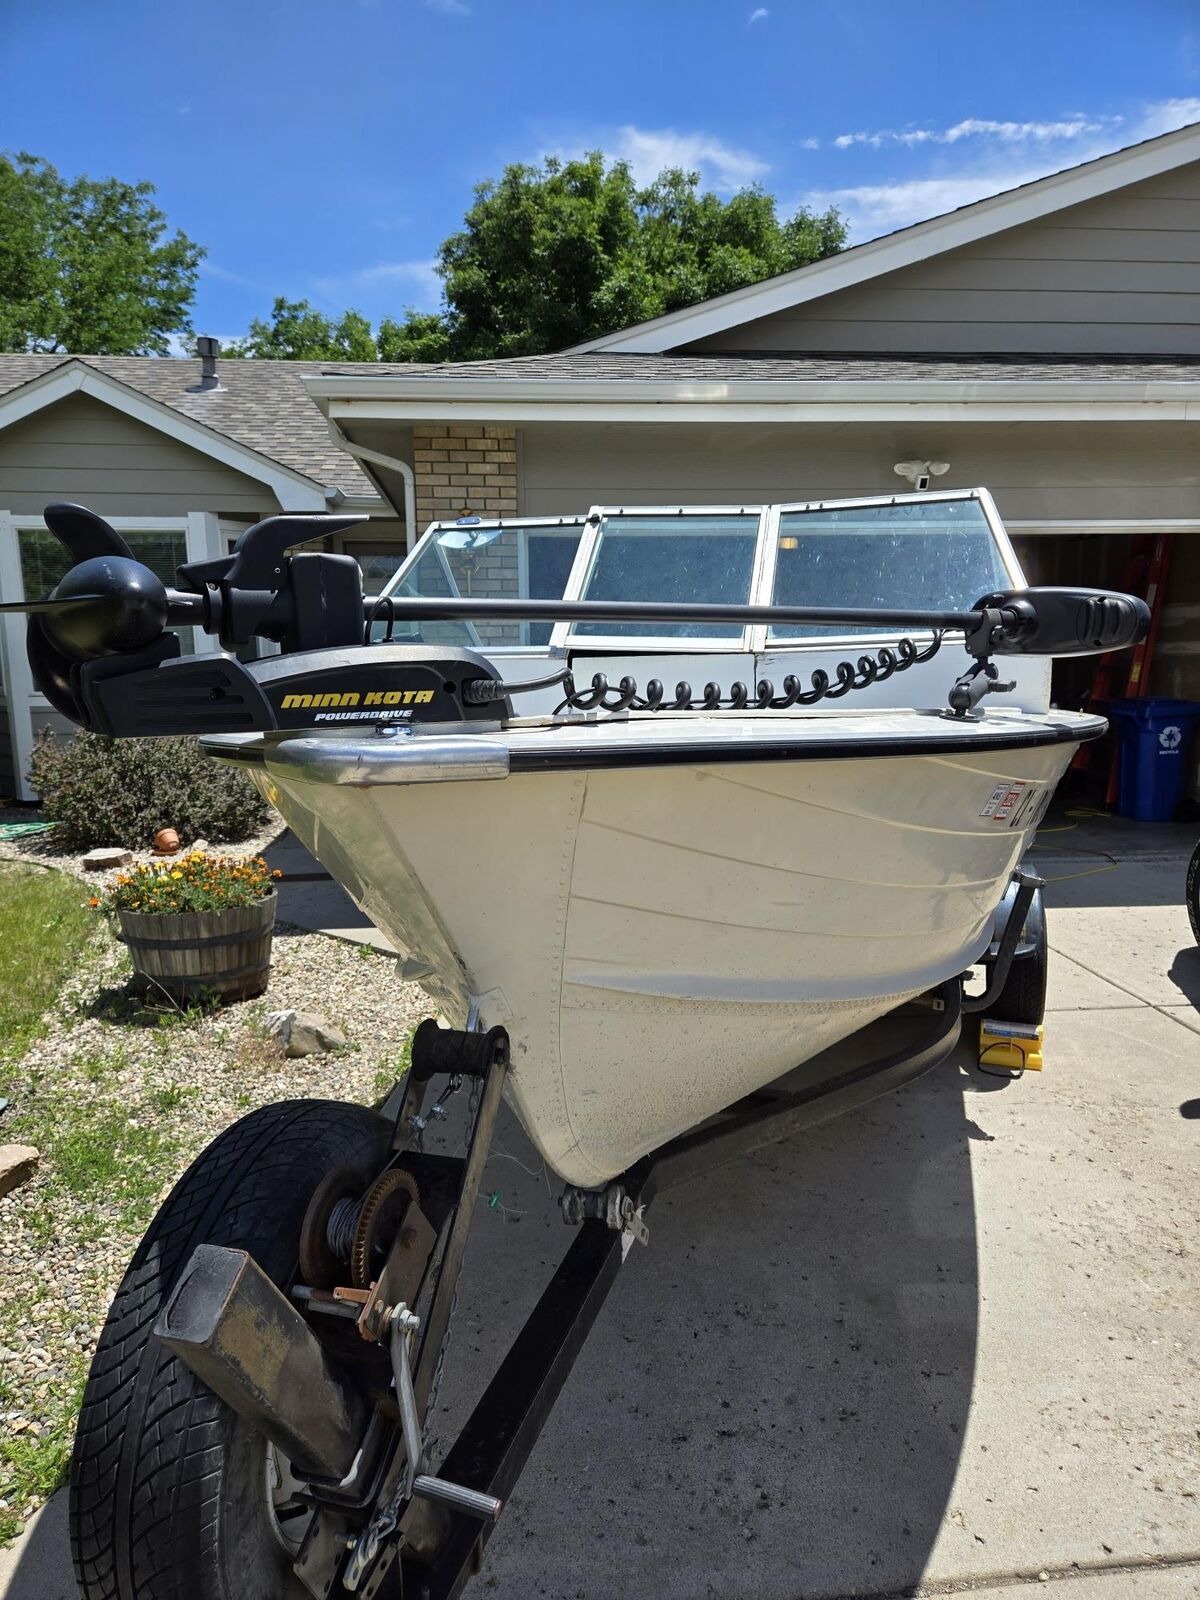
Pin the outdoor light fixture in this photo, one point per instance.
(920, 473)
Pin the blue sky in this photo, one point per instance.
(322, 149)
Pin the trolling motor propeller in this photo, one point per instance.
(111, 606)
(108, 605)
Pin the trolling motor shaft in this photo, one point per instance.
(103, 651)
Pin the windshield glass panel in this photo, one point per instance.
(933, 555)
(672, 557)
(517, 561)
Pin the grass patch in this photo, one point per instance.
(388, 1076)
(105, 1158)
(44, 925)
(34, 1465)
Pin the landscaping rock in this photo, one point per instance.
(304, 1033)
(105, 857)
(18, 1163)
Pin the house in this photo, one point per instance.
(1044, 342)
(180, 457)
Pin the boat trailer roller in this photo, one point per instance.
(668, 920)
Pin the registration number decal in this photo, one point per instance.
(1018, 803)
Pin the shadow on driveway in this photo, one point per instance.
(772, 1402)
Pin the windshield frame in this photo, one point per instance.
(516, 524)
(761, 639)
(564, 637)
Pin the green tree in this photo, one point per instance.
(553, 255)
(422, 336)
(86, 266)
(297, 332)
(550, 256)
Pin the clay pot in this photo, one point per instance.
(166, 842)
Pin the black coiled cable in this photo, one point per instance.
(847, 677)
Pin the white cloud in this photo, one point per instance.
(416, 281)
(648, 151)
(451, 8)
(810, 144)
(1033, 150)
(759, 14)
(212, 269)
(874, 208)
(1167, 114)
(980, 128)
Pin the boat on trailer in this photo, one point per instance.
(689, 824)
(668, 907)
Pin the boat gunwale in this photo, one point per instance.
(422, 758)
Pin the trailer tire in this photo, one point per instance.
(1023, 997)
(1193, 893)
(168, 1497)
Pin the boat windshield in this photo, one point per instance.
(924, 554)
(671, 556)
(527, 560)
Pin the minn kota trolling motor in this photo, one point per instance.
(103, 652)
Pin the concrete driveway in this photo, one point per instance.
(946, 1344)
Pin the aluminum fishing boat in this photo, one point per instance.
(656, 804)
(668, 908)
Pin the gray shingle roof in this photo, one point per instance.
(812, 368)
(264, 405)
(260, 404)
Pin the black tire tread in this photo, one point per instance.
(1023, 998)
(146, 1471)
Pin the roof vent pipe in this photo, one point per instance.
(208, 349)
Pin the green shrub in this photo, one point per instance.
(101, 791)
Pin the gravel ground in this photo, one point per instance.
(119, 1101)
(37, 849)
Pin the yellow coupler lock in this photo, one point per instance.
(1016, 1046)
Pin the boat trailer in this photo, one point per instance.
(380, 1522)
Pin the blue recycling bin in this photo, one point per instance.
(1154, 738)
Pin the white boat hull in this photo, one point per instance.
(660, 941)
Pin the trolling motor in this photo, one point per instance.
(103, 651)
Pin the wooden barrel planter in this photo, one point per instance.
(186, 954)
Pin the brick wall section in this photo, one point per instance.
(461, 465)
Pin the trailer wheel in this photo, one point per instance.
(1193, 893)
(171, 1490)
(1023, 997)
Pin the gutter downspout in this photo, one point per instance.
(393, 464)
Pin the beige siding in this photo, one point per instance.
(1118, 275)
(81, 449)
(1043, 472)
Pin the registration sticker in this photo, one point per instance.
(1001, 801)
(1019, 804)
